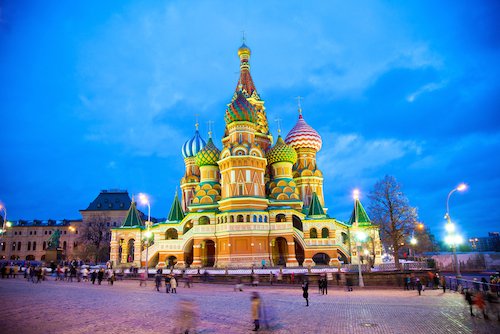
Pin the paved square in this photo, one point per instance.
(62, 307)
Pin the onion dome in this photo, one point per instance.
(240, 110)
(281, 152)
(193, 145)
(209, 155)
(244, 50)
(303, 136)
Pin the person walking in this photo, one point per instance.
(419, 286)
(167, 284)
(468, 298)
(255, 299)
(305, 291)
(173, 284)
(443, 283)
(100, 276)
(144, 278)
(93, 276)
(158, 281)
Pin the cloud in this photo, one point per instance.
(351, 157)
(426, 89)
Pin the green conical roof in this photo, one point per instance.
(358, 210)
(133, 218)
(315, 208)
(176, 213)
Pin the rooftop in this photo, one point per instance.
(113, 199)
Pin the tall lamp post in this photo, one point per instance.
(359, 236)
(145, 200)
(413, 243)
(452, 238)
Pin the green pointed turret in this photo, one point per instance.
(361, 214)
(133, 218)
(315, 208)
(176, 213)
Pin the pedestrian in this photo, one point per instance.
(292, 278)
(158, 281)
(407, 282)
(187, 317)
(113, 277)
(305, 291)
(443, 283)
(349, 283)
(419, 286)
(255, 299)
(167, 284)
(144, 278)
(478, 300)
(100, 276)
(239, 285)
(279, 277)
(484, 284)
(271, 276)
(173, 284)
(255, 280)
(337, 277)
(325, 286)
(468, 298)
(263, 262)
(85, 274)
(93, 276)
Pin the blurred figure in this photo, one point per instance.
(419, 286)
(255, 299)
(480, 304)
(305, 291)
(239, 284)
(443, 283)
(187, 316)
(173, 284)
(468, 298)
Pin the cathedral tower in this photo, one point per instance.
(307, 142)
(191, 176)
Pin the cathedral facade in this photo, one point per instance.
(254, 200)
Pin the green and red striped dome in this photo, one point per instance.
(240, 110)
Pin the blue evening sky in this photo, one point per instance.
(102, 94)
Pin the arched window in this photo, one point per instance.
(254, 218)
(280, 218)
(240, 218)
(265, 219)
(29, 245)
(297, 223)
(313, 234)
(171, 234)
(64, 245)
(44, 245)
(231, 219)
(204, 220)
(325, 233)
(34, 245)
(345, 238)
(248, 218)
(260, 219)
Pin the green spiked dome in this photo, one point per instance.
(209, 155)
(281, 152)
(359, 215)
(240, 110)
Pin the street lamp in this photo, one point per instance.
(413, 243)
(359, 236)
(145, 200)
(452, 239)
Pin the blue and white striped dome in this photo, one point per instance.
(193, 145)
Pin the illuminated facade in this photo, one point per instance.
(250, 200)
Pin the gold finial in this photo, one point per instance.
(210, 128)
(196, 125)
(279, 125)
(298, 103)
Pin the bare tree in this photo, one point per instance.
(391, 211)
(94, 239)
(425, 241)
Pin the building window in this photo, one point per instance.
(64, 245)
(3, 246)
(34, 232)
(313, 234)
(325, 233)
(19, 246)
(45, 232)
(29, 245)
(14, 246)
(34, 245)
(50, 232)
(31, 232)
(44, 245)
(64, 232)
(114, 223)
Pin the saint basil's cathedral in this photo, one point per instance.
(249, 201)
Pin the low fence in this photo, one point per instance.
(459, 284)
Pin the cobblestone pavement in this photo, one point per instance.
(62, 307)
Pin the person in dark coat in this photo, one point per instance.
(93, 276)
(158, 281)
(167, 283)
(305, 291)
(419, 286)
(100, 276)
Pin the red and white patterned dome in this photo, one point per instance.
(303, 136)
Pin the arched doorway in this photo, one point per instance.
(299, 252)
(171, 234)
(297, 223)
(30, 257)
(280, 251)
(208, 253)
(188, 253)
(171, 261)
(321, 259)
(280, 218)
(131, 250)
